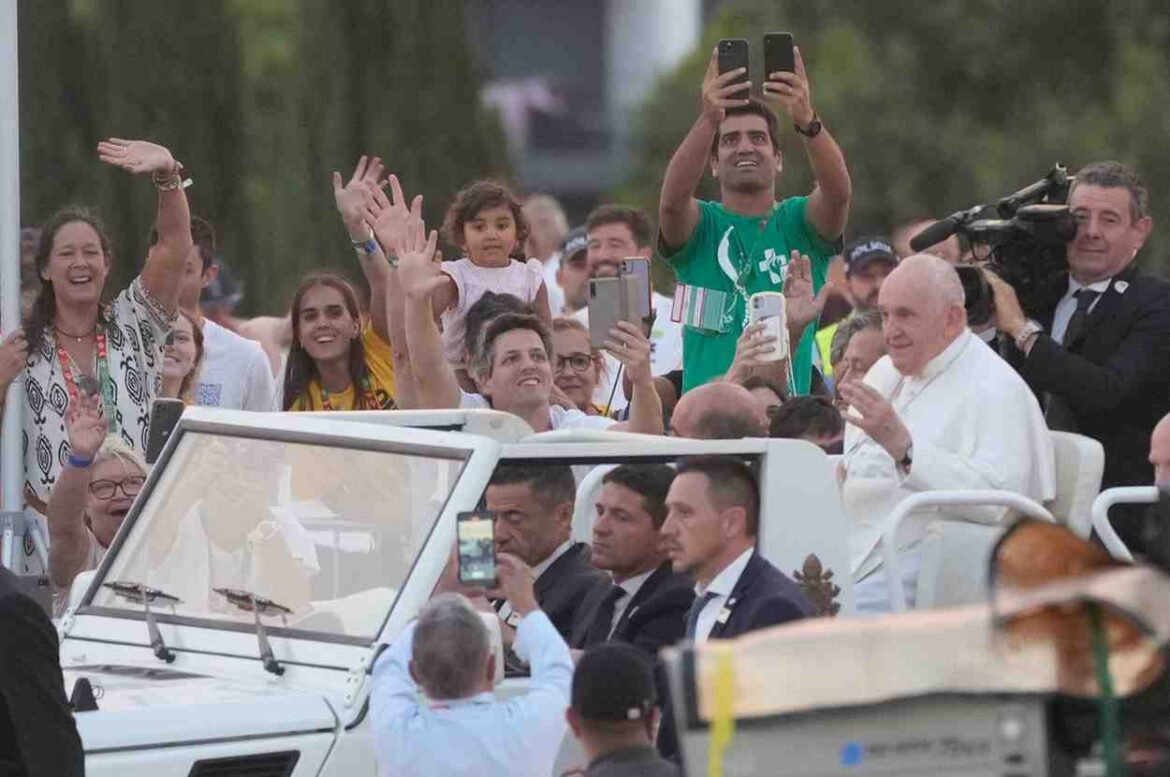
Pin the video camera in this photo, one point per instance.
(1026, 234)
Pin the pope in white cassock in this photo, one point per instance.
(941, 411)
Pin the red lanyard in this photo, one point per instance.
(368, 400)
(105, 385)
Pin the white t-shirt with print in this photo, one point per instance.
(235, 373)
(558, 417)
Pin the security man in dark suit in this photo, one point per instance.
(713, 517)
(647, 603)
(534, 517)
(38, 737)
(1095, 341)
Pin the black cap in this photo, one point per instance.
(576, 242)
(614, 681)
(864, 250)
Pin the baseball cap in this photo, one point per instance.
(614, 681)
(864, 250)
(575, 243)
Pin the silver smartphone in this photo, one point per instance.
(612, 300)
(639, 267)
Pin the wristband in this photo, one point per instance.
(365, 248)
(77, 462)
(365, 240)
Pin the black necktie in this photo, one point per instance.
(1076, 325)
(696, 608)
(603, 618)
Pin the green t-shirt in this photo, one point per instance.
(740, 256)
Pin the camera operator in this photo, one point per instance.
(1095, 341)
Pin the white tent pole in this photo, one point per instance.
(11, 460)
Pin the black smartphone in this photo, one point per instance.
(475, 532)
(779, 54)
(164, 415)
(733, 53)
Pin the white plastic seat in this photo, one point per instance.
(584, 508)
(1080, 463)
(1143, 495)
(965, 545)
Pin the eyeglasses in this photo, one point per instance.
(105, 489)
(578, 361)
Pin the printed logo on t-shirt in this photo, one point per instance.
(208, 394)
(776, 265)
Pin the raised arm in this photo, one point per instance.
(828, 205)
(631, 347)
(351, 199)
(163, 272)
(389, 217)
(678, 211)
(68, 537)
(420, 276)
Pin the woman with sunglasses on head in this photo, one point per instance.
(80, 344)
(93, 493)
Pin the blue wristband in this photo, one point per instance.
(79, 463)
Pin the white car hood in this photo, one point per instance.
(151, 707)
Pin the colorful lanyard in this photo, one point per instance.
(103, 377)
(368, 400)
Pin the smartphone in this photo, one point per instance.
(639, 267)
(164, 415)
(779, 53)
(769, 307)
(476, 536)
(733, 53)
(612, 300)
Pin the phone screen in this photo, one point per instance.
(778, 53)
(475, 532)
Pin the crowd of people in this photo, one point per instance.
(883, 371)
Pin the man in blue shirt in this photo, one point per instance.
(456, 725)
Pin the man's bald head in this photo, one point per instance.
(719, 411)
(1160, 452)
(921, 304)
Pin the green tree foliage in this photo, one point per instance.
(942, 105)
(261, 100)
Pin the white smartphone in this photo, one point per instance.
(768, 307)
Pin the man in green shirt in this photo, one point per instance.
(723, 252)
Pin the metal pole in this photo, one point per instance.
(11, 460)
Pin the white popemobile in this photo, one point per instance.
(232, 625)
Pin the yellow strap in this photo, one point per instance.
(722, 718)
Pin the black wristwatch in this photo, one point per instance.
(812, 130)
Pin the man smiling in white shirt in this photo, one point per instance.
(941, 411)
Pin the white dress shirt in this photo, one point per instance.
(721, 585)
(1068, 305)
(974, 424)
(630, 587)
(480, 735)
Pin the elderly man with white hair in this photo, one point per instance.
(460, 727)
(941, 411)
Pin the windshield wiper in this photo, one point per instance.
(144, 595)
(257, 605)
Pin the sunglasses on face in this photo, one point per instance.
(106, 489)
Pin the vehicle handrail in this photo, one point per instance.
(917, 501)
(1100, 513)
